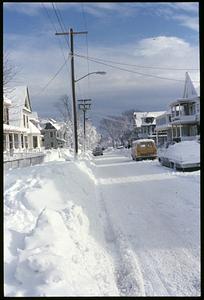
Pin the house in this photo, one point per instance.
(149, 124)
(54, 134)
(182, 119)
(20, 133)
(145, 124)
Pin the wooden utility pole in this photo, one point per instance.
(84, 105)
(71, 33)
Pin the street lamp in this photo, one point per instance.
(98, 72)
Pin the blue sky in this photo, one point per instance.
(147, 35)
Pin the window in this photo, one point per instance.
(16, 140)
(24, 120)
(4, 142)
(51, 134)
(27, 121)
(6, 115)
(52, 144)
(26, 141)
(35, 142)
(10, 141)
(22, 141)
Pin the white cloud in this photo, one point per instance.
(40, 63)
(190, 22)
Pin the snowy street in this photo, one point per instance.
(106, 226)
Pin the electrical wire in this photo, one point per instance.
(87, 46)
(131, 71)
(60, 23)
(146, 67)
(55, 29)
(53, 77)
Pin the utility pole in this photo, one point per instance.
(84, 105)
(71, 33)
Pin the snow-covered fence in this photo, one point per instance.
(25, 161)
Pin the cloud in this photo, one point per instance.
(190, 22)
(117, 90)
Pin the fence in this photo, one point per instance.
(25, 161)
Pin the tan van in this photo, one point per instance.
(143, 149)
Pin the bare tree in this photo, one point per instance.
(9, 72)
(64, 108)
(113, 127)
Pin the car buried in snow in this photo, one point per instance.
(143, 149)
(181, 156)
(97, 151)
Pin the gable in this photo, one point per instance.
(49, 126)
(27, 100)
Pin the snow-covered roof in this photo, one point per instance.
(189, 89)
(138, 118)
(34, 117)
(33, 128)
(154, 114)
(185, 100)
(11, 128)
(18, 96)
(55, 124)
(7, 101)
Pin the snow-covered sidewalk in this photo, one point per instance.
(106, 226)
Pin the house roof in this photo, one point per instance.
(33, 128)
(16, 129)
(154, 114)
(19, 97)
(140, 115)
(138, 118)
(7, 101)
(189, 89)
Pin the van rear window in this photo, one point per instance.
(146, 145)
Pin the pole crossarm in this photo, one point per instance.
(84, 104)
(76, 32)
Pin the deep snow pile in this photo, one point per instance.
(100, 226)
(49, 246)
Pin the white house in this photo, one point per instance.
(145, 123)
(182, 119)
(20, 132)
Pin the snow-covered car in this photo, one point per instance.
(97, 151)
(182, 156)
(143, 149)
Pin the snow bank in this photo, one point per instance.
(60, 258)
(50, 247)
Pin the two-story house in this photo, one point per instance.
(145, 123)
(182, 119)
(54, 134)
(149, 124)
(20, 133)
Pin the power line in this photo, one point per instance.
(139, 66)
(87, 49)
(131, 71)
(60, 23)
(55, 29)
(53, 77)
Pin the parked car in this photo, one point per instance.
(97, 151)
(182, 156)
(143, 149)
